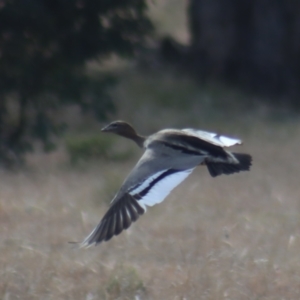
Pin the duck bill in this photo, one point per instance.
(105, 129)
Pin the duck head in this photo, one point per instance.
(121, 128)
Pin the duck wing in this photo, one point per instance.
(142, 188)
(208, 145)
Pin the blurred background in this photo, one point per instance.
(69, 67)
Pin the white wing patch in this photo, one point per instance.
(228, 142)
(214, 138)
(145, 183)
(161, 189)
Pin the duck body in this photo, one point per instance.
(170, 157)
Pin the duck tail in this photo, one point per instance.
(218, 168)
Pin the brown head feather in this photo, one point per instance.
(124, 129)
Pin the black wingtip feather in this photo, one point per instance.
(111, 227)
(216, 169)
(119, 225)
(102, 234)
(126, 218)
(119, 217)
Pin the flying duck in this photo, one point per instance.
(170, 157)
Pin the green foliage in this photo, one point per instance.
(45, 45)
(88, 147)
(96, 146)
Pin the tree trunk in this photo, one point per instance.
(15, 138)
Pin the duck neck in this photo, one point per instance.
(139, 140)
(131, 134)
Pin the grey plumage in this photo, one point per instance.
(170, 156)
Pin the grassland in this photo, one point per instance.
(233, 237)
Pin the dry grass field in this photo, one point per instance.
(232, 237)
